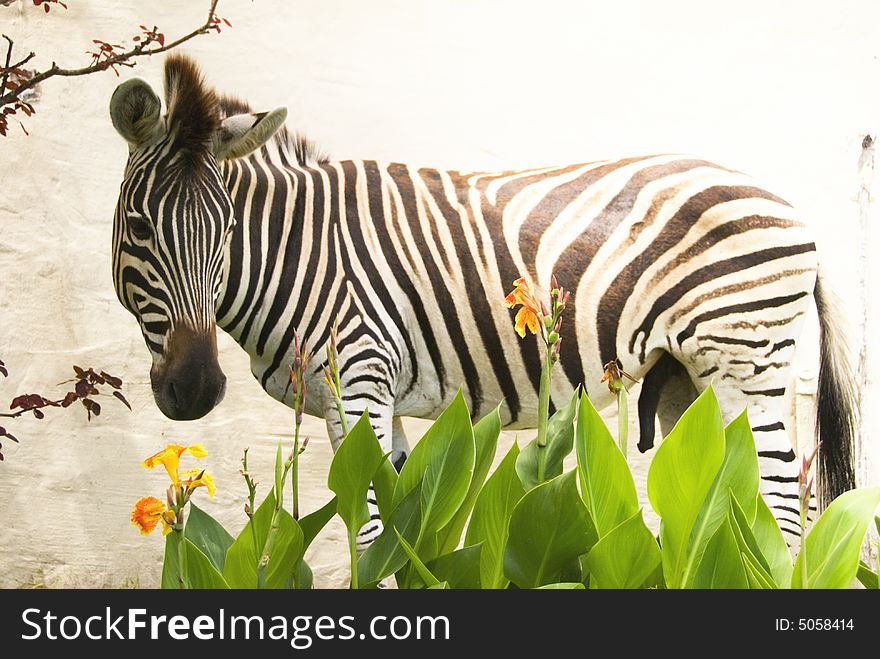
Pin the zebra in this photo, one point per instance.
(685, 271)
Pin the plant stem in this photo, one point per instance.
(294, 476)
(352, 551)
(803, 551)
(181, 554)
(544, 412)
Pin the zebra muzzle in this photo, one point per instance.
(188, 383)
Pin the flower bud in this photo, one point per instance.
(553, 283)
(548, 322)
(553, 338)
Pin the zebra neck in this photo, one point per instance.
(269, 272)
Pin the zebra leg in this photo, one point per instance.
(380, 419)
(399, 445)
(755, 377)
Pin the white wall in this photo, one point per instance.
(783, 90)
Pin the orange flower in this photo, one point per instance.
(148, 512)
(531, 315)
(169, 457)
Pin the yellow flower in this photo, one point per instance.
(148, 512)
(531, 314)
(195, 477)
(169, 457)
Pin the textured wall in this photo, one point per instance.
(785, 91)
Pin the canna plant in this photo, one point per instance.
(449, 523)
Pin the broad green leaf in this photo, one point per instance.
(491, 517)
(486, 432)
(385, 556)
(625, 557)
(867, 577)
(606, 481)
(721, 565)
(429, 579)
(170, 579)
(549, 528)
(560, 435)
(240, 569)
(443, 463)
(770, 541)
(568, 585)
(681, 475)
(757, 568)
(739, 474)
(208, 535)
(356, 460)
(440, 586)
(303, 577)
(833, 544)
(313, 523)
(461, 568)
(199, 570)
(384, 481)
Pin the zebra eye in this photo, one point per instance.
(140, 228)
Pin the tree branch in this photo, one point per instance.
(138, 51)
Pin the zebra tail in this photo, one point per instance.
(835, 403)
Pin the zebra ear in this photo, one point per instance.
(135, 110)
(242, 134)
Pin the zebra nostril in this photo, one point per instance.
(172, 393)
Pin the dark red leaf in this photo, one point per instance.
(69, 399)
(135, 38)
(161, 38)
(83, 388)
(227, 22)
(95, 377)
(78, 371)
(38, 414)
(16, 402)
(46, 7)
(112, 380)
(119, 395)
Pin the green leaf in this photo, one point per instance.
(384, 482)
(385, 556)
(560, 437)
(429, 579)
(771, 542)
(443, 462)
(757, 568)
(200, 572)
(356, 460)
(303, 577)
(833, 544)
(721, 565)
(739, 474)
(491, 516)
(567, 585)
(606, 482)
(625, 557)
(681, 475)
(867, 577)
(240, 569)
(461, 568)
(170, 579)
(486, 433)
(440, 586)
(313, 523)
(549, 528)
(208, 535)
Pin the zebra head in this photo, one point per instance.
(171, 225)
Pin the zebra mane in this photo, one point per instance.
(285, 144)
(193, 114)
